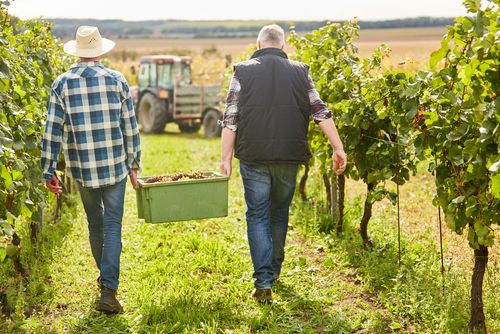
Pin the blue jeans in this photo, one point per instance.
(104, 208)
(269, 191)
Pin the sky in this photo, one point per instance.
(233, 9)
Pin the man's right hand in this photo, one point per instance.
(133, 178)
(226, 167)
(54, 186)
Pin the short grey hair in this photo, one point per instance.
(272, 34)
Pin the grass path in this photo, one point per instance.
(195, 277)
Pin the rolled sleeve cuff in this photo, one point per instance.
(134, 164)
(49, 170)
(322, 115)
(224, 124)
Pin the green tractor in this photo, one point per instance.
(165, 94)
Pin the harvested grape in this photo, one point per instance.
(194, 175)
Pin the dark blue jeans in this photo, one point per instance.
(269, 191)
(104, 209)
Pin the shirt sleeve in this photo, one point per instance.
(130, 130)
(230, 118)
(52, 136)
(319, 110)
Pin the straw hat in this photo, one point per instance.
(88, 43)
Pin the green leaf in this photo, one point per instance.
(4, 84)
(471, 236)
(479, 24)
(382, 113)
(411, 91)
(7, 142)
(412, 112)
(19, 91)
(7, 228)
(393, 197)
(458, 133)
(396, 326)
(495, 168)
(26, 211)
(472, 5)
(480, 229)
(373, 177)
(4, 68)
(17, 175)
(6, 176)
(438, 55)
(432, 117)
(11, 250)
(495, 185)
(456, 155)
(450, 222)
(458, 199)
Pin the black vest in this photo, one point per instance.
(274, 109)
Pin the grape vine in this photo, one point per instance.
(448, 116)
(30, 58)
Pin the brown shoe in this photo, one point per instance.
(108, 302)
(263, 295)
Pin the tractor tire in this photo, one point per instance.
(210, 124)
(152, 114)
(189, 128)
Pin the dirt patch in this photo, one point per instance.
(316, 256)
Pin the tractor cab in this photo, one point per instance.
(164, 71)
(165, 93)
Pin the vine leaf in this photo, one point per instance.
(495, 185)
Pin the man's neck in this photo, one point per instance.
(83, 59)
(270, 46)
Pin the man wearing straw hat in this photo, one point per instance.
(91, 118)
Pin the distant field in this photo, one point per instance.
(410, 47)
(405, 42)
(231, 46)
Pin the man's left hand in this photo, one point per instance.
(226, 167)
(339, 161)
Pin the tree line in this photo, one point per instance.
(65, 28)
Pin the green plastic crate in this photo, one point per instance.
(182, 200)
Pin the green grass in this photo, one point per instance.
(412, 292)
(195, 277)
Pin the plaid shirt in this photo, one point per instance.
(91, 116)
(319, 111)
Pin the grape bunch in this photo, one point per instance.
(157, 178)
(176, 177)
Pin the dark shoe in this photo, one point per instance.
(108, 302)
(263, 295)
(99, 283)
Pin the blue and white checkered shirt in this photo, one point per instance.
(91, 115)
